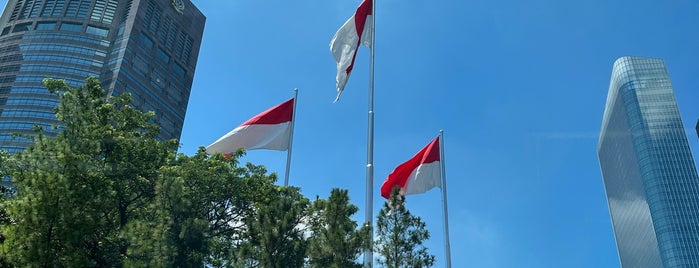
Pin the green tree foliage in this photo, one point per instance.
(199, 212)
(400, 236)
(76, 192)
(4, 194)
(336, 242)
(276, 236)
(105, 192)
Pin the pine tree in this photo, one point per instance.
(335, 240)
(276, 234)
(400, 236)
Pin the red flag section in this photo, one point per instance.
(417, 175)
(357, 30)
(270, 130)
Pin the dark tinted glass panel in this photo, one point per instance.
(146, 40)
(162, 55)
(97, 31)
(46, 26)
(21, 27)
(178, 69)
(71, 27)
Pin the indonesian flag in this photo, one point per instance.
(418, 175)
(270, 129)
(347, 40)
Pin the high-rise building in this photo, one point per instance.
(148, 48)
(647, 167)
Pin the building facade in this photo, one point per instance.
(649, 175)
(148, 48)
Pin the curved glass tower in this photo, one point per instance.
(146, 47)
(649, 174)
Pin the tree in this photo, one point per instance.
(77, 192)
(276, 235)
(4, 193)
(105, 192)
(198, 214)
(400, 236)
(336, 242)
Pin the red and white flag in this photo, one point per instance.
(270, 129)
(356, 30)
(418, 175)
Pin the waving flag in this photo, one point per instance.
(270, 130)
(356, 30)
(418, 175)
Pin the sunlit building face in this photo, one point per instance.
(148, 48)
(648, 170)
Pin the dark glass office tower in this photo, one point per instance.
(649, 174)
(146, 47)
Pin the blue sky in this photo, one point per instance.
(519, 88)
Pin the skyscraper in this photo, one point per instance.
(148, 48)
(647, 167)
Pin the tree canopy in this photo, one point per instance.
(400, 236)
(106, 192)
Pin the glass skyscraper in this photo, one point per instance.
(649, 174)
(148, 48)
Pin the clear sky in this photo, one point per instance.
(519, 88)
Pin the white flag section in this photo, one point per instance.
(270, 130)
(417, 175)
(357, 30)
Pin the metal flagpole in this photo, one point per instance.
(447, 248)
(291, 139)
(369, 254)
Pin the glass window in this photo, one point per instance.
(15, 12)
(97, 31)
(46, 26)
(163, 55)
(6, 30)
(73, 27)
(146, 40)
(92, 40)
(83, 9)
(140, 65)
(162, 35)
(171, 35)
(47, 8)
(98, 10)
(178, 69)
(22, 27)
(72, 8)
(59, 8)
(35, 9)
(120, 31)
(187, 50)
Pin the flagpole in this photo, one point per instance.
(443, 173)
(369, 254)
(291, 139)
